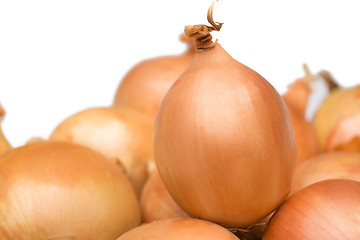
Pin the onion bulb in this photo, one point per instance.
(337, 121)
(64, 191)
(146, 84)
(223, 140)
(328, 210)
(179, 229)
(333, 165)
(4, 144)
(156, 203)
(121, 134)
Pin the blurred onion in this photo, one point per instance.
(121, 134)
(64, 191)
(4, 144)
(179, 229)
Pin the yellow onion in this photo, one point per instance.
(179, 229)
(297, 94)
(328, 210)
(121, 134)
(332, 165)
(223, 140)
(337, 121)
(305, 138)
(156, 203)
(64, 191)
(4, 144)
(145, 85)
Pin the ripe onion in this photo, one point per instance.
(223, 140)
(333, 165)
(156, 203)
(64, 191)
(146, 84)
(337, 121)
(4, 144)
(328, 210)
(121, 134)
(179, 229)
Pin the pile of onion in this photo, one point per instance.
(333, 165)
(156, 203)
(223, 141)
(179, 229)
(144, 86)
(337, 121)
(4, 144)
(64, 191)
(328, 210)
(121, 134)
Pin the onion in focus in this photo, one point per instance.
(121, 134)
(144, 86)
(333, 165)
(156, 203)
(328, 210)
(179, 229)
(337, 121)
(223, 140)
(64, 191)
(4, 144)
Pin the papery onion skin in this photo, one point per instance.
(223, 142)
(64, 191)
(328, 210)
(4, 144)
(297, 95)
(332, 165)
(156, 202)
(341, 104)
(179, 229)
(145, 85)
(121, 134)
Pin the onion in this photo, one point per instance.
(223, 140)
(64, 191)
(121, 134)
(156, 203)
(146, 84)
(179, 229)
(328, 210)
(334, 165)
(4, 144)
(305, 138)
(337, 121)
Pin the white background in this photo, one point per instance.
(61, 57)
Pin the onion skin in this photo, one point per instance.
(156, 202)
(297, 95)
(4, 144)
(328, 210)
(333, 165)
(64, 191)
(335, 120)
(121, 134)
(179, 229)
(144, 86)
(223, 142)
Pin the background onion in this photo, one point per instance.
(156, 202)
(144, 86)
(4, 144)
(179, 229)
(121, 134)
(223, 140)
(337, 120)
(333, 165)
(328, 210)
(64, 191)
